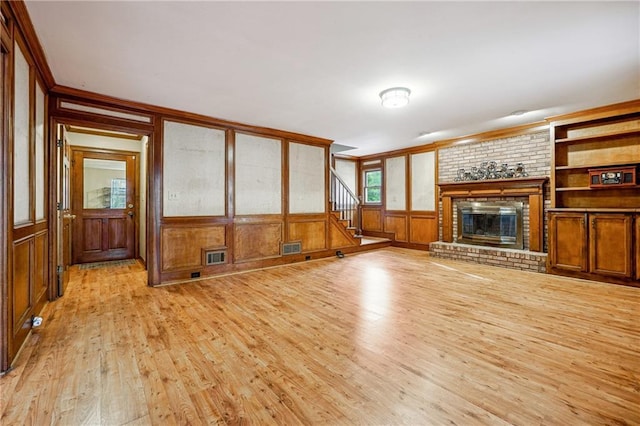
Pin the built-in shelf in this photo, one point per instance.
(608, 135)
(603, 188)
(594, 228)
(592, 210)
(573, 188)
(593, 166)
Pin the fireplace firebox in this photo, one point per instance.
(491, 223)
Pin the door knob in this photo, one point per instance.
(130, 214)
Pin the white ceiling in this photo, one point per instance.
(317, 67)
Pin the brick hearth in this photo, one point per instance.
(507, 258)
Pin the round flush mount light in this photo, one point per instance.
(395, 97)
(519, 112)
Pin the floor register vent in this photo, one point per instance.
(216, 257)
(291, 248)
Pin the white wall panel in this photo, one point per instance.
(21, 143)
(306, 178)
(194, 162)
(39, 160)
(395, 183)
(258, 180)
(347, 171)
(423, 181)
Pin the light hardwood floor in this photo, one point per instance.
(383, 337)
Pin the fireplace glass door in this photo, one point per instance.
(491, 223)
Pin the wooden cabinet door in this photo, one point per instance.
(568, 241)
(637, 247)
(610, 245)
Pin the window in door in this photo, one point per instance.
(373, 186)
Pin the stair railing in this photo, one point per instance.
(344, 201)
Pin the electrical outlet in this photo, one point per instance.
(172, 195)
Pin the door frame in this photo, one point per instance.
(75, 197)
(54, 177)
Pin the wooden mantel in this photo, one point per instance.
(520, 187)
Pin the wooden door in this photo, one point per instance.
(610, 244)
(637, 220)
(568, 241)
(65, 217)
(103, 204)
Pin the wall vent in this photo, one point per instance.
(215, 257)
(291, 248)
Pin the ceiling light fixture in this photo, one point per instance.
(519, 112)
(395, 97)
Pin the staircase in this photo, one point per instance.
(345, 207)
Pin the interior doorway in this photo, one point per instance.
(102, 196)
(104, 205)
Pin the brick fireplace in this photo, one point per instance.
(529, 192)
(490, 223)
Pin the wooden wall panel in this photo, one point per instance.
(338, 237)
(182, 245)
(311, 233)
(21, 297)
(371, 220)
(536, 222)
(41, 265)
(255, 241)
(396, 225)
(637, 219)
(423, 230)
(447, 219)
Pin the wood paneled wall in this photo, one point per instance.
(25, 268)
(265, 203)
(249, 240)
(409, 179)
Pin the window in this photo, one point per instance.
(373, 186)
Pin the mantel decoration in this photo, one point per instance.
(490, 170)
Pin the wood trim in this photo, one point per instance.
(173, 114)
(25, 26)
(5, 124)
(606, 111)
(497, 187)
(154, 204)
(284, 184)
(538, 126)
(398, 152)
(86, 131)
(637, 239)
(536, 222)
(231, 175)
(447, 219)
(73, 117)
(6, 25)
